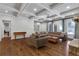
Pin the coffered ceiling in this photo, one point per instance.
(37, 11)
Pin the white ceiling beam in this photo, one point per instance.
(21, 9)
(24, 5)
(46, 8)
(37, 17)
(26, 12)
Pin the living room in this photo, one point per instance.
(39, 29)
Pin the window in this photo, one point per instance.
(70, 28)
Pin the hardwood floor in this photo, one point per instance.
(21, 48)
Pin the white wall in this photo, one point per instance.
(22, 24)
(42, 27)
(17, 24)
(1, 30)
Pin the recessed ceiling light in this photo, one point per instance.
(6, 11)
(72, 13)
(38, 23)
(35, 9)
(67, 7)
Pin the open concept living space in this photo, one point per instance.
(39, 29)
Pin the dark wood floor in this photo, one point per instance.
(21, 48)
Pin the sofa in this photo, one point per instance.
(56, 36)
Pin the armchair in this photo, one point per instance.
(38, 40)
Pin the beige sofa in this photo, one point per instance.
(55, 36)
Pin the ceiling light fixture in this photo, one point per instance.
(72, 13)
(38, 23)
(67, 7)
(6, 11)
(35, 9)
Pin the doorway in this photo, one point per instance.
(7, 28)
